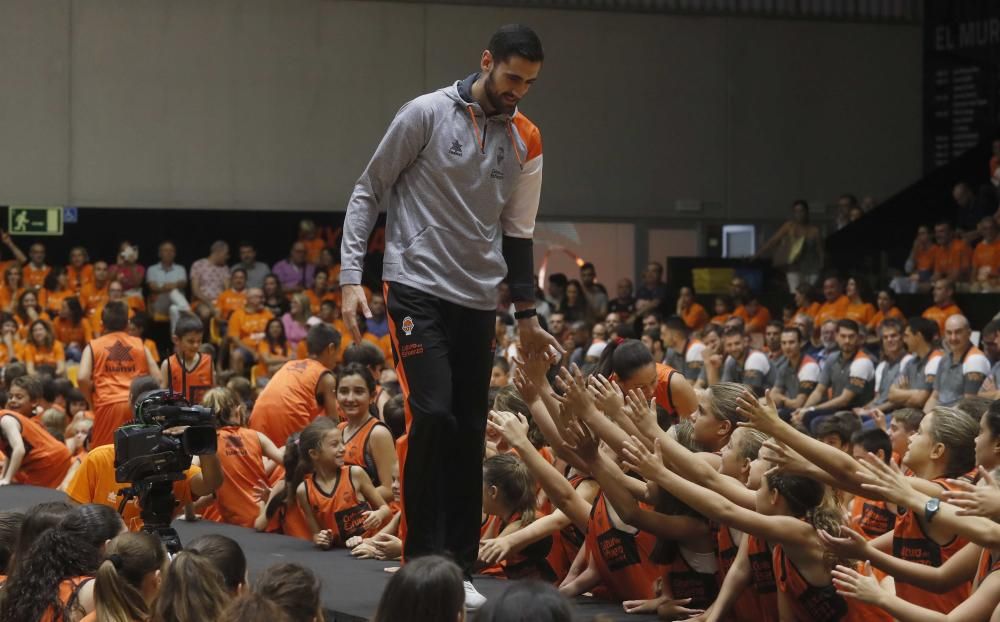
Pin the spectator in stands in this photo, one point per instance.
(723, 308)
(595, 293)
(167, 281)
(888, 370)
(855, 214)
(255, 270)
(79, 270)
(848, 375)
(653, 292)
(919, 265)
(805, 301)
(575, 306)
(35, 271)
(989, 342)
(11, 288)
(916, 379)
(127, 271)
(755, 316)
(55, 291)
(309, 236)
(797, 247)
(275, 299)
(858, 309)
(246, 330)
(739, 292)
(209, 278)
(273, 350)
(962, 369)
(116, 293)
(557, 326)
(42, 351)
(684, 353)
(233, 298)
(612, 322)
(944, 303)
(693, 314)
(556, 290)
(321, 291)
(624, 303)
(95, 294)
(743, 364)
(796, 375)
(579, 341)
(772, 342)
(72, 329)
(835, 302)
(810, 344)
(295, 272)
(378, 323)
(970, 210)
(886, 308)
(845, 204)
(986, 257)
(952, 256)
(296, 320)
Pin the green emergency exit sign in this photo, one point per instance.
(34, 220)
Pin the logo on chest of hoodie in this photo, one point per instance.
(496, 173)
(456, 148)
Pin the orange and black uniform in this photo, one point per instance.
(819, 604)
(193, 384)
(763, 578)
(356, 449)
(912, 544)
(746, 608)
(622, 559)
(529, 563)
(338, 510)
(567, 541)
(118, 359)
(290, 401)
(686, 582)
(871, 518)
(987, 566)
(242, 463)
(69, 599)
(46, 460)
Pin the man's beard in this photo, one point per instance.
(496, 99)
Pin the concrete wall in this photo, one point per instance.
(278, 104)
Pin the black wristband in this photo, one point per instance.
(525, 314)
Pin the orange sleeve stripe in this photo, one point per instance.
(530, 134)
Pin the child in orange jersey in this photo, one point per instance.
(336, 499)
(128, 580)
(43, 351)
(33, 455)
(187, 371)
(368, 442)
(241, 452)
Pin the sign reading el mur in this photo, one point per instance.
(34, 220)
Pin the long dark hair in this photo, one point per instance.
(624, 358)
(294, 588)
(279, 344)
(527, 600)
(38, 520)
(10, 528)
(72, 549)
(226, 555)
(75, 310)
(427, 589)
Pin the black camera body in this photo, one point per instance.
(150, 458)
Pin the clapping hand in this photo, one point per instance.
(982, 500)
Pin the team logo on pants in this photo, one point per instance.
(407, 326)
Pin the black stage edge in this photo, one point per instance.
(351, 587)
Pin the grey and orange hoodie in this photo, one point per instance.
(460, 191)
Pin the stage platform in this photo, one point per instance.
(351, 588)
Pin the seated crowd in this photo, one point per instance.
(833, 464)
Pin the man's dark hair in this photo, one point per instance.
(235, 270)
(732, 331)
(558, 278)
(794, 330)
(991, 327)
(891, 322)
(928, 329)
(675, 322)
(848, 324)
(587, 266)
(776, 324)
(516, 40)
(115, 316)
(320, 337)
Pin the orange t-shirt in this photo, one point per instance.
(384, 343)
(812, 310)
(923, 260)
(720, 319)
(8, 297)
(94, 482)
(192, 383)
(880, 317)
(956, 256)
(249, 327)
(118, 359)
(92, 296)
(52, 301)
(242, 461)
(836, 310)
(315, 300)
(67, 333)
(313, 249)
(78, 278)
(229, 301)
(941, 314)
(695, 316)
(46, 460)
(264, 348)
(986, 255)
(34, 277)
(862, 313)
(7, 357)
(289, 403)
(38, 355)
(758, 322)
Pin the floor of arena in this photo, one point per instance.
(351, 588)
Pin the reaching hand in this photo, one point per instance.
(886, 480)
(535, 367)
(536, 340)
(760, 414)
(860, 585)
(607, 395)
(639, 459)
(386, 546)
(784, 458)
(675, 610)
(376, 518)
(511, 426)
(642, 414)
(581, 440)
(879, 418)
(851, 544)
(494, 550)
(982, 500)
(354, 302)
(525, 386)
(575, 387)
(261, 491)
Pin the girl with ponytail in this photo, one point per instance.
(128, 580)
(631, 365)
(280, 513)
(53, 582)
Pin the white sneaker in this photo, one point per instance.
(473, 599)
